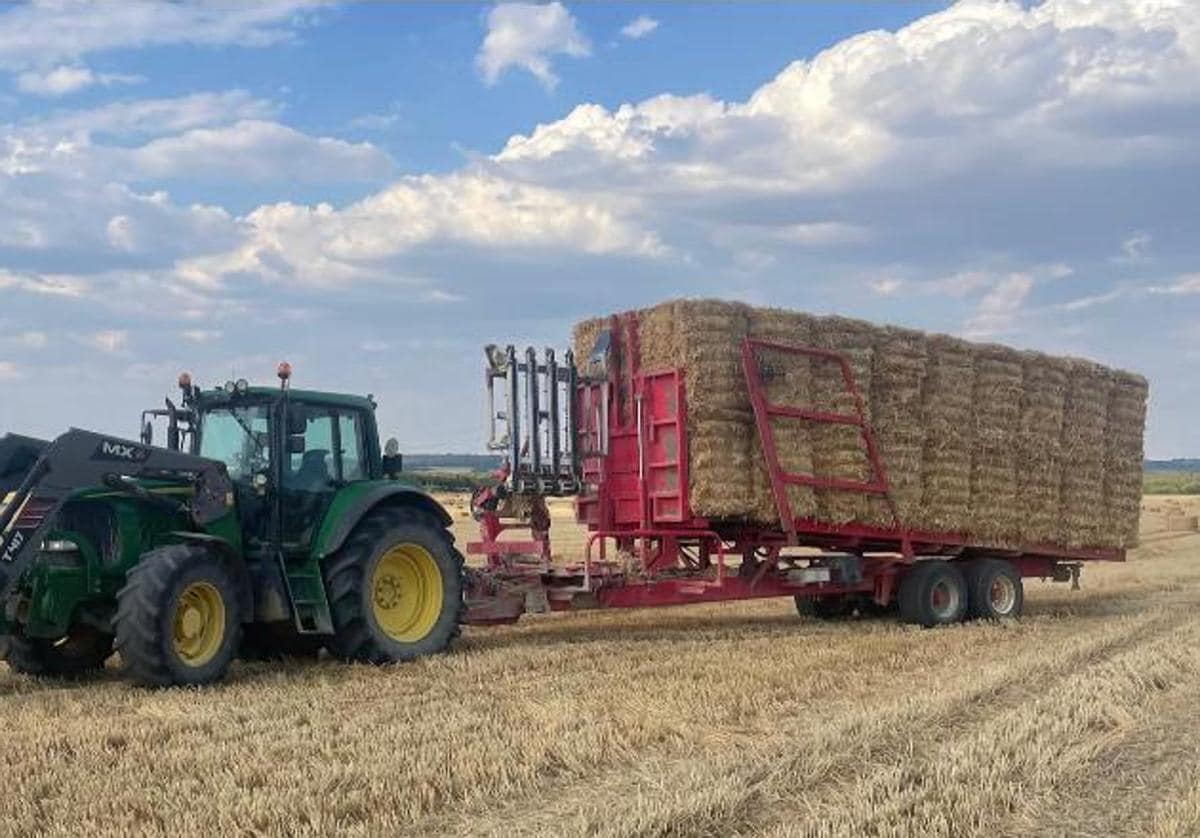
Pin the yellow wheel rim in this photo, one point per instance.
(199, 625)
(406, 592)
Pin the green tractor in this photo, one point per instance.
(270, 525)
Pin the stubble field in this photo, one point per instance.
(1082, 719)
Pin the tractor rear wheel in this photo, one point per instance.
(395, 588)
(83, 650)
(178, 618)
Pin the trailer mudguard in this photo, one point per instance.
(353, 502)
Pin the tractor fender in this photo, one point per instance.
(236, 560)
(354, 502)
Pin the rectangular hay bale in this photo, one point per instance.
(979, 440)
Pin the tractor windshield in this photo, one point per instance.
(239, 437)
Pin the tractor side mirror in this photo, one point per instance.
(297, 420)
(295, 443)
(147, 433)
(393, 460)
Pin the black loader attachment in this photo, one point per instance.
(42, 477)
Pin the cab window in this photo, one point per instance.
(239, 437)
(313, 469)
(350, 437)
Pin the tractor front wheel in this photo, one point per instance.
(81, 651)
(178, 618)
(395, 588)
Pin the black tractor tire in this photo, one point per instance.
(81, 652)
(933, 593)
(278, 641)
(359, 597)
(835, 607)
(151, 606)
(995, 590)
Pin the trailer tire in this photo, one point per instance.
(178, 618)
(395, 588)
(995, 590)
(83, 650)
(933, 593)
(835, 607)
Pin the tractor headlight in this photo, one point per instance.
(241, 386)
(59, 546)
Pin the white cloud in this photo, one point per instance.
(68, 79)
(200, 335)
(997, 312)
(1184, 285)
(30, 340)
(256, 150)
(56, 82)
(1133, 248)
(526, 35)
(49, 285)
(887, 286)
(323, 246)
(59, 31)
(639, 27)
(9, 371)
(112, 341)
(151, 117)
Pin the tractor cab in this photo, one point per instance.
(287, 451)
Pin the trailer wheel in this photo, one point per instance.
(178, 618)
(81, 651)
(994, 590)
(395, 588)
(933, 593)
(835, 607)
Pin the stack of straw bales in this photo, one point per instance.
(1003, 446)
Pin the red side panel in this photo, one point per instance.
(664, 430)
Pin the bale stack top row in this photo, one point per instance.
(1003, 446)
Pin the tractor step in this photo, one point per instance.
(310, 606)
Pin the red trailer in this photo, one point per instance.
(617, 442)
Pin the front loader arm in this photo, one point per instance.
(82, 459)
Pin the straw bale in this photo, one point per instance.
(995, 413)
(1085, 418)
(949, 438)
(1126, 416)
(787, 380)
(897, 418)
(1005, 447)
(1039, 446)
(658, 338)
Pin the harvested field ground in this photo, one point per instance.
(1080, 720)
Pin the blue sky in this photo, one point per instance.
(375, 191)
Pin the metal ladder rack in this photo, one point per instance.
(535, 427)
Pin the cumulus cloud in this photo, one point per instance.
(527, 35)
(255, 150)
(326, 246)
(639, 27)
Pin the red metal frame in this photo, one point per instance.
(635, 498)
(765, 412)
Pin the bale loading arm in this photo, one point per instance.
(50, 473)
